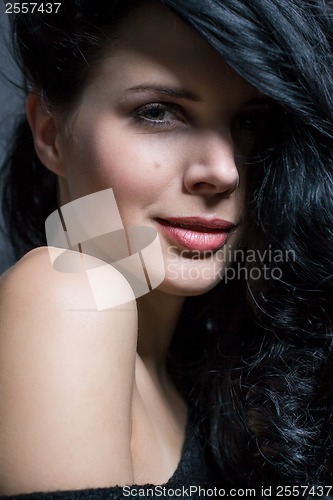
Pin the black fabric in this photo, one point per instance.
(191, 474)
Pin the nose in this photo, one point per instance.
(211, 167)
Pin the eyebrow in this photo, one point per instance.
(181, 93)
(175, 92)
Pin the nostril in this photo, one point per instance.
(200, 185)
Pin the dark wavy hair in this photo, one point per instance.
(259, 366)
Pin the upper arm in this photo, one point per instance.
(66, 381)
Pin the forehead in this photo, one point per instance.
(155, 45)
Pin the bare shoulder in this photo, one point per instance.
(66, 372)
(53, 278)
(43, 283)
(22, 284)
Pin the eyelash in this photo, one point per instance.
(252, 122)
(258, 121)
(175, 110)
(255, 132)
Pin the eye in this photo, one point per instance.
(256, 122)
(250, 131)
(158, 115)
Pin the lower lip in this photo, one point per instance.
(195, 240)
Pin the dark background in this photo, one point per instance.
(11, 104)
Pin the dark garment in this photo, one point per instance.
(191, 472)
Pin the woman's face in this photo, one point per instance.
(167, 124)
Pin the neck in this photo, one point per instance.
(158, 316)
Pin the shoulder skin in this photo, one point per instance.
(66, 382)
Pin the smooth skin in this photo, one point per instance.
(85, 401)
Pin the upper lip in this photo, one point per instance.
(200, 222)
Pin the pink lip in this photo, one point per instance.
(197, 233)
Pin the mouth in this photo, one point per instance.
(196, 233)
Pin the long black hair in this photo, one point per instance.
(268, 397)
(258, 359)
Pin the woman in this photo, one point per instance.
(217, 146)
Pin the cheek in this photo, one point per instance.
(131, 164)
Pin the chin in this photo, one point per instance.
(187, 287)
(189, 277)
